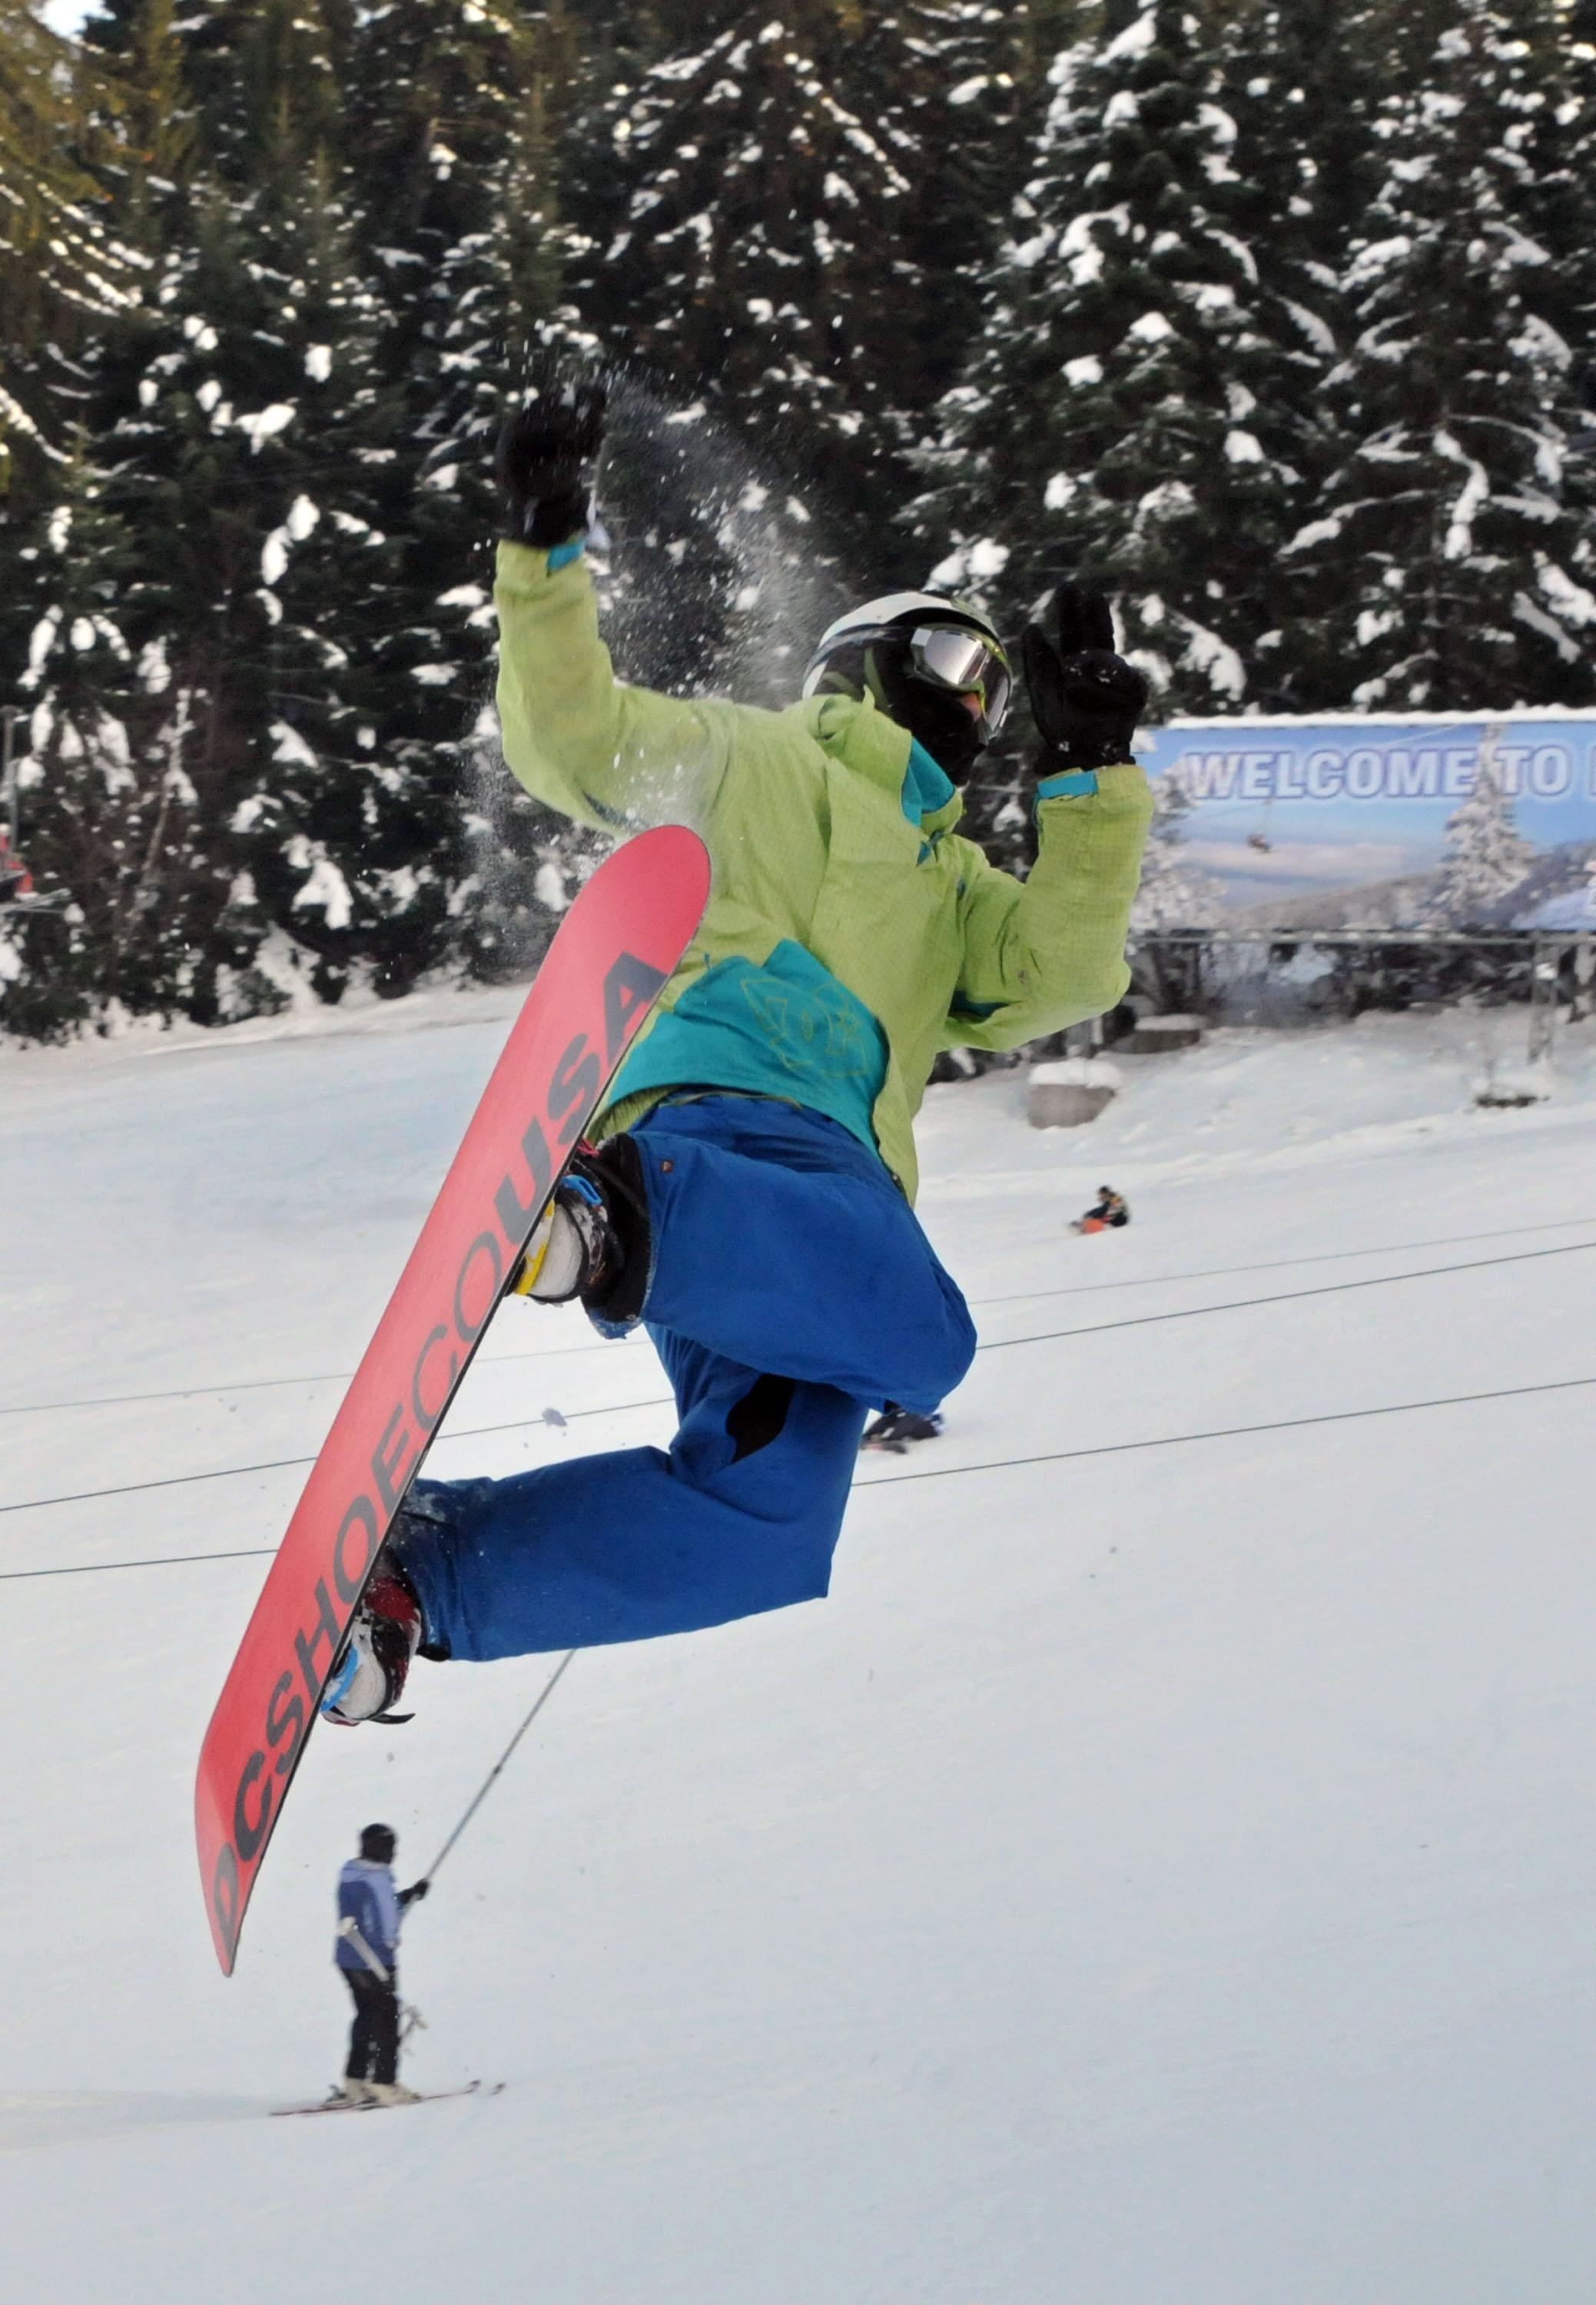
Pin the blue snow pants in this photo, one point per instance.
(792, 1290)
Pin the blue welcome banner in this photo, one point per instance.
(1397, 822)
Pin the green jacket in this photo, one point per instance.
(817, 843)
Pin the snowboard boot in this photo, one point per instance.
(896, 1427)
(391, 2093)
(592, 1241)
(368, 1672)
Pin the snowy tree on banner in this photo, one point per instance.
(1109, 425)
(1446, 567)
(1174, 894)
(1483, 860)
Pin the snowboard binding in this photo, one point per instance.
(369, 1670)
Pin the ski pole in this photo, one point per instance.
(497, 1770)
(350, 1931)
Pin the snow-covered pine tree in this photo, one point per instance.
(948, 82)
(121, 808)
(157, 145)
(453, 108)
(1483, 858)
(255, 440)
(1108, 425)
(1303, 90)
(112, 771)
(751, 237)
(354, 836)
(1556, 146)
(254, 71)
(496, 312)
(1549, 148)
(61, 267)
(1444, 566)
(437, 96)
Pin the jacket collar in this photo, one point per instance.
(857, 732)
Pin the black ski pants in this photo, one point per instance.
(374, 2036)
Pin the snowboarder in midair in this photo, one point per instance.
(366, 1949)
(749, 1197)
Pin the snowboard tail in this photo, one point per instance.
(613, 953)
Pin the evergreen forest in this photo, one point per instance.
(1275, 321)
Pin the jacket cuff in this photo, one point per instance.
(525, 568)
(1069, 784)
(1119, 791)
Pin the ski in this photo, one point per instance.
(422, 2096)
(613, 953)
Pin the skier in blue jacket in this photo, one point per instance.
(371, 1913)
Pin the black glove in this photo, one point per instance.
(1086, 700)
(412, 1896)
(541, 451)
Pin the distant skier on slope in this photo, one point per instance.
(750, 1197)
(366, 1949)
(1109, 1213)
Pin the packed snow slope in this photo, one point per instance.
(1163, 1871)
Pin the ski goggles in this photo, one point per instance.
(967, 663)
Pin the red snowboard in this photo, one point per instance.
(615, 950)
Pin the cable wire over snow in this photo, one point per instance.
(949, 1472)
(995, 1345)
(1014, 1296)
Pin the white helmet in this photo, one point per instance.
(921, 655)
